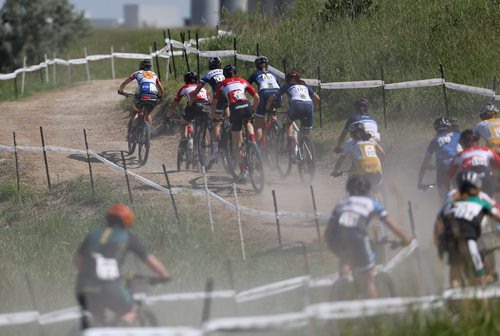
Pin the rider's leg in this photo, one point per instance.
(366, 282)
(259, 125)
(134, 111)
(250, 130)
(130, 316)
(237, 140)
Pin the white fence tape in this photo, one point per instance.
(280, 322)
(18, 318)
(174, 331)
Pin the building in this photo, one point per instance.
(152, 16)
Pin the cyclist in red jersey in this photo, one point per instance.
(241, 111)
(479, 159)
(200, 100)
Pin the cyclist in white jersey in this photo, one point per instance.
(213, 77)
(301, 107)
(267, 86)
(149, 86)
(489, 128)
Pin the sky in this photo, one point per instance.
(99, 9)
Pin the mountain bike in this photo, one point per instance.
(252, 159)
(301, 152)
(138, 285)
(226, 146)
(196, 149)
(346, 287)
(185, 151)
(270, 134)
(139, 130)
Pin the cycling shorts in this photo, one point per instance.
(146, 101)
(465, 252)
(264, 96)
(113, 296)
(197, 109)
(352, 245)
(241, 112)
(302, 111)
(442, 169)
(222, 103)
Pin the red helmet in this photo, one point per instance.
(121, 212)
(290, 75)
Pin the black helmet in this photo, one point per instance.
(145, 64)
(229, 70)
(357, 127)
(190, 77)
(358, 185)
(290, 75)
(261, 61)
(468, 180)
(362, 102)
(442, 124)
(214, 63)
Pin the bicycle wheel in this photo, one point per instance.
(144, 143)
(307, 160)
(204, 144)
(385, 285)
(131, 138)
(283, 158)
(255, 166)
(271, 143)
(343, 289)
(146, 318)
(182, 156)
(225, 143)
(228, 156)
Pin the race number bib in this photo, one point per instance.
(149, 88)
(238, 95)
(349, 219)
(218, 78)
(370, 151)
(106, 268)
(479, 161)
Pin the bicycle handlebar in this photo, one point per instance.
(341, 173)
(126, 94)
(151, 279)
(425, 187)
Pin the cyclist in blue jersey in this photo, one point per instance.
(149, 86)
(99, 259)
(301, 107)
(213, 77)
(347, 237)
(445, 145)
(360, 115)
(267, 86)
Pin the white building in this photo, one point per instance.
(152, 16)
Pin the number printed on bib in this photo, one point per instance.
(370, 151)
(349, 219)
(218, 78)
(238, 95)
(106, 268)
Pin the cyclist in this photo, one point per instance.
(301, 106)
(360, 115)
(458, 227)
(150, 88)
(346, 233)
(489, 128)
(99, 259)
(475, 158)
(233, 90)
(191, 111)
(445, 146)
(364, 152)
(214, 76)
(267, 86)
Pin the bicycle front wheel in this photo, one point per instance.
(283, 158)
(385, 285)
(146, 318)
(205, 145)
(255, 166)
(307, 160)
(343, 289)
(131, 138)
(144, 143)
(229, 160)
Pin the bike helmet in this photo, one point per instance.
(358, 185)
(468, 138)
(214, 63)
(261, 62)
(488, 107)
(356, 127)
(120, 214)
(362, 102)
(442, 124)
(229, 71)
(292, 74)
(468, 180)
(145, 64)
(191, 77)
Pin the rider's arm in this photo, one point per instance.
(438, 229)
(256, 100)
(315, 97)
(380, 151)
(156, 265)
(339, 162)
(340, 141)
(396, 229)
(195, 93)
(423, 168)
(123, 84)
(161, 90)
(496, 160)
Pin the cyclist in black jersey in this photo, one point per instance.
(99, 259)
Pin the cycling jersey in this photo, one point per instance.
(474, 157)
(187, 90)
(297, 92)
(147, 81)
(357, 212)
(364, 155)
(368, 122)
(213, 77)
(489, 131)
(264, 80)
(445, 145)
(234, 90)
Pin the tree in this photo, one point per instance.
(32, 28)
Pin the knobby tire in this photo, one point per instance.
(144, 143)
(283, 158)
(307, 163)
(255, 166)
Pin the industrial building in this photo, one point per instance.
(151, 16)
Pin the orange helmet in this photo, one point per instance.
(121, 212)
